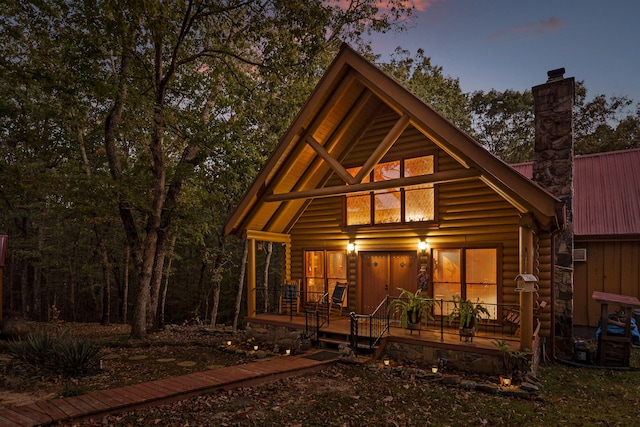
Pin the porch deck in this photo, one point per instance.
(438, 334)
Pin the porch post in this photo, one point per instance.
(527, 256)
(251, 279)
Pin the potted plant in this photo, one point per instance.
(468, 314)
(412, 308)
(305, 340)
(511, 361)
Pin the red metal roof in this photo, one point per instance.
(606, 199)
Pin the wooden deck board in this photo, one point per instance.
(102, 402)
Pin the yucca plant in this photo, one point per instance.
(56, 353)
(76, 355)
(35, 350)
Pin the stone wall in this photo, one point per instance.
(553, 170)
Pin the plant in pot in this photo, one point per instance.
(511, 361)
(412, 308)
(468, 314)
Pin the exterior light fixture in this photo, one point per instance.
(351, 247)
(422, 246)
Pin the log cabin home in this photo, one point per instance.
(370, 184)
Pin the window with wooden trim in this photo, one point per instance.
(394, 205)
(470, 273)
(322, 270)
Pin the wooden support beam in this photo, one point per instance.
(333, 163)
(251, 279)
(435, 178)
(383, 147)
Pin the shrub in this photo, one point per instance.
(56, 353)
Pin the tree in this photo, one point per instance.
(428, 83)
(152, 98)
(503, 123)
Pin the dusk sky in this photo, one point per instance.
(511, 44)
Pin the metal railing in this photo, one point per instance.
(366, 330)
(502, 323)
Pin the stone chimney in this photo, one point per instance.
(553, 170)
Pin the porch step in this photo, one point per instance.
(335, 342)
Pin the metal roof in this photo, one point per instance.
(606, 193)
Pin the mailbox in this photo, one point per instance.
(526, 283)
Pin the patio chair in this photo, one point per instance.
(337, 297)
(290, 296)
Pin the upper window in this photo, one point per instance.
(393, 205)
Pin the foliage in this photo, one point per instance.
(467, 312)
(127, 125)
(504, 123)
(411, 307)
(428, 82)
(511, 360)
(56, 353)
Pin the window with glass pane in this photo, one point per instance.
(474, 279)
(418, 201)
(320, 280)
(336, 269)
(481, 277)
(314, 275)
(446, 276)
(358, 205)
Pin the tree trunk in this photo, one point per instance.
(243, 267)
(106, 278)
(167, 274)
(156, 281)
(266, 276)
(218, 266)
(72, 289)
(24, 289)
(37, 272)
(125, 286)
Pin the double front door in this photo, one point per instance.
(383, 273)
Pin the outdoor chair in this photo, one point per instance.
(336, 300)
(290, 296)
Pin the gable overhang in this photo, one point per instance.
(338, 111)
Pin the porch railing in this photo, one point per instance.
(503, 321)
(368, 329)
(316, 316)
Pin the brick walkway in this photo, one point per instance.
(99, 403)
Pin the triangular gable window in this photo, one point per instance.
(395, 205)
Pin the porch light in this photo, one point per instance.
(351, 247)
(422, 246)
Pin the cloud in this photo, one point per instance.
(530, 30)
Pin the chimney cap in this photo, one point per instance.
(556, 74)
